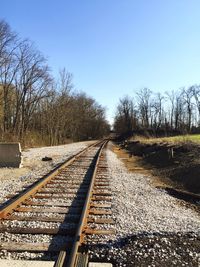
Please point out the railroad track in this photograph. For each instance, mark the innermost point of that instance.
(52, 218)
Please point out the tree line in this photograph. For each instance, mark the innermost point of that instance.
(175, 112)
(36, 107)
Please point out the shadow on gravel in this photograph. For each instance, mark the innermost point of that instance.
(63, 239)
(150, 249)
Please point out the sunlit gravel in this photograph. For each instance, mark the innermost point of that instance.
(35, 167)
(152, 228)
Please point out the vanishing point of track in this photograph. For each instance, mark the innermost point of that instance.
(73, 196)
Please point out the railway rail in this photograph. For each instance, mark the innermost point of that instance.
(62, 208)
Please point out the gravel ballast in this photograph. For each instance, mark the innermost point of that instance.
(139, 207)
(152, 227)
(14, 232)
(12, 180)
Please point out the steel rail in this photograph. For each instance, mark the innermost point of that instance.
(63, 260)
(21, 197)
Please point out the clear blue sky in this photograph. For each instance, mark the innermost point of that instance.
(114, 47)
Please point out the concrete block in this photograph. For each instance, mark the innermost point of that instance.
(99, 264)
(10, 155)
(26, 263)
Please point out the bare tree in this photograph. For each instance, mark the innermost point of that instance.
(171, 97)
(8, 42)
(8, 67)
(125, 119)
(187, 95)
(160, 114)
(31, 102)
(31, 82)
(196, 93)
(144, 97)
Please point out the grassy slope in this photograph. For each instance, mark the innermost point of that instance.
(194, 138)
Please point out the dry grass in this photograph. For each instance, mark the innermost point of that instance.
(32, 139)
(192, 138)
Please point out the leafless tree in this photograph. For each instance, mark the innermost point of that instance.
(31, 83)
(171, 97)
(173, 112)
(187, 95)
(196, 93)
(144, 97)
(31, 102)
(125, 119)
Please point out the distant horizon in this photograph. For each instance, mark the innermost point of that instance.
(114, 48)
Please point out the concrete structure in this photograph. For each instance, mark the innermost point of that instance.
(26, 263)
(10, 155)
(99, 264)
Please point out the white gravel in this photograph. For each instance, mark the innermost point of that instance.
(12, 180)
(45, 238)
(30, 224)
(152, 228)
(37, 238)
(139, 207)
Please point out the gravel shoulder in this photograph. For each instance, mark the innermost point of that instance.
(12, 180)
(152, 227)
(148, 209)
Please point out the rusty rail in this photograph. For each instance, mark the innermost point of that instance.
(13, 203)
(70, 260)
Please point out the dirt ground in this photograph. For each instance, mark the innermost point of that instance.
(175, 166)
(136, 164)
